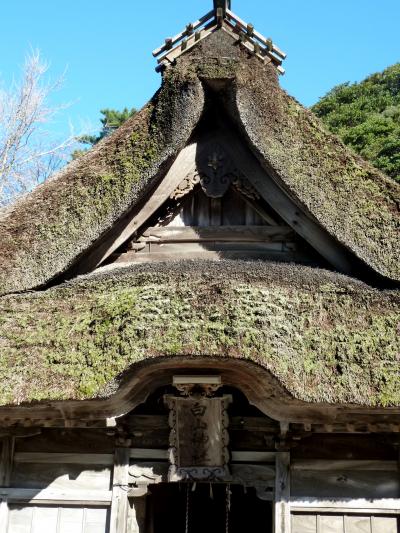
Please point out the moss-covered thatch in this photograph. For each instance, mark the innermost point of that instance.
(44, 233)
(325, 337)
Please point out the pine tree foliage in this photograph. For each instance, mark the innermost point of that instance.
(366, 116)
(112, 119)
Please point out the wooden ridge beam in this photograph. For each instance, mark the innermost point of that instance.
(254, 33)
(262, 54)
(189, 30)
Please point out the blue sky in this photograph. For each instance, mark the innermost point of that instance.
(107, 46)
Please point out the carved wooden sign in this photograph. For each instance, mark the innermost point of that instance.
(198, 438)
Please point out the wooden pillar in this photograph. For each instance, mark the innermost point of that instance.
(137, 515)
(119, 502)
(6, 460)
(282, 519)
(3, 515)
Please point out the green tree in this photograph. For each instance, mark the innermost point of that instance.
(112, 119)
(366, 116)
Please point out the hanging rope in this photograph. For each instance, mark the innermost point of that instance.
(187, 509)
(227, 506)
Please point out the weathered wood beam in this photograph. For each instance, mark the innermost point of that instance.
(218, 233)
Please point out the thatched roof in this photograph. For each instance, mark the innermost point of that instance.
(324, 336)
(47, 231)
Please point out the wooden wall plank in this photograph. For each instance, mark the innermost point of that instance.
(61, 476)
(357, 524)
(330, 524)
(304, 523)
(385, 524)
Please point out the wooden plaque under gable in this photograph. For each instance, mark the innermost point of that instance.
(198, 438)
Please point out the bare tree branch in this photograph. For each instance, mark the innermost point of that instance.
(28, 151)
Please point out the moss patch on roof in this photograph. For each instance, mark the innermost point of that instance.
(325, 337)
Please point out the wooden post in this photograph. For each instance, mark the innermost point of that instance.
(282, 520)
(6, 460)
(119, 502)
(3, 515)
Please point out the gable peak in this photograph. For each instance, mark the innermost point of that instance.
(219, 18)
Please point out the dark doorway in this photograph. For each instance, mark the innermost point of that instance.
(207, 509)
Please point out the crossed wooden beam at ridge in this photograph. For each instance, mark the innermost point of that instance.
(220, 16)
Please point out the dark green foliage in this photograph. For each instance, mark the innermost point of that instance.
(366, 116)
(112, 119)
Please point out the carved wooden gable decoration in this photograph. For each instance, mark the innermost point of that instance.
(208, 206)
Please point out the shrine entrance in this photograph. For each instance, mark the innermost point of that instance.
(202, 460)
(206, 508)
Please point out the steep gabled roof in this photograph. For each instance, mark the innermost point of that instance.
(44, 234)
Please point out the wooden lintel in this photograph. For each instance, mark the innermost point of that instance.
(236, 456)
(347, 465)
(82, 497)
(64, 458)
(359, 505)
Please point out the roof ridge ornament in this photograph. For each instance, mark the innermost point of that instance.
(220, 9)
(222, 17)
